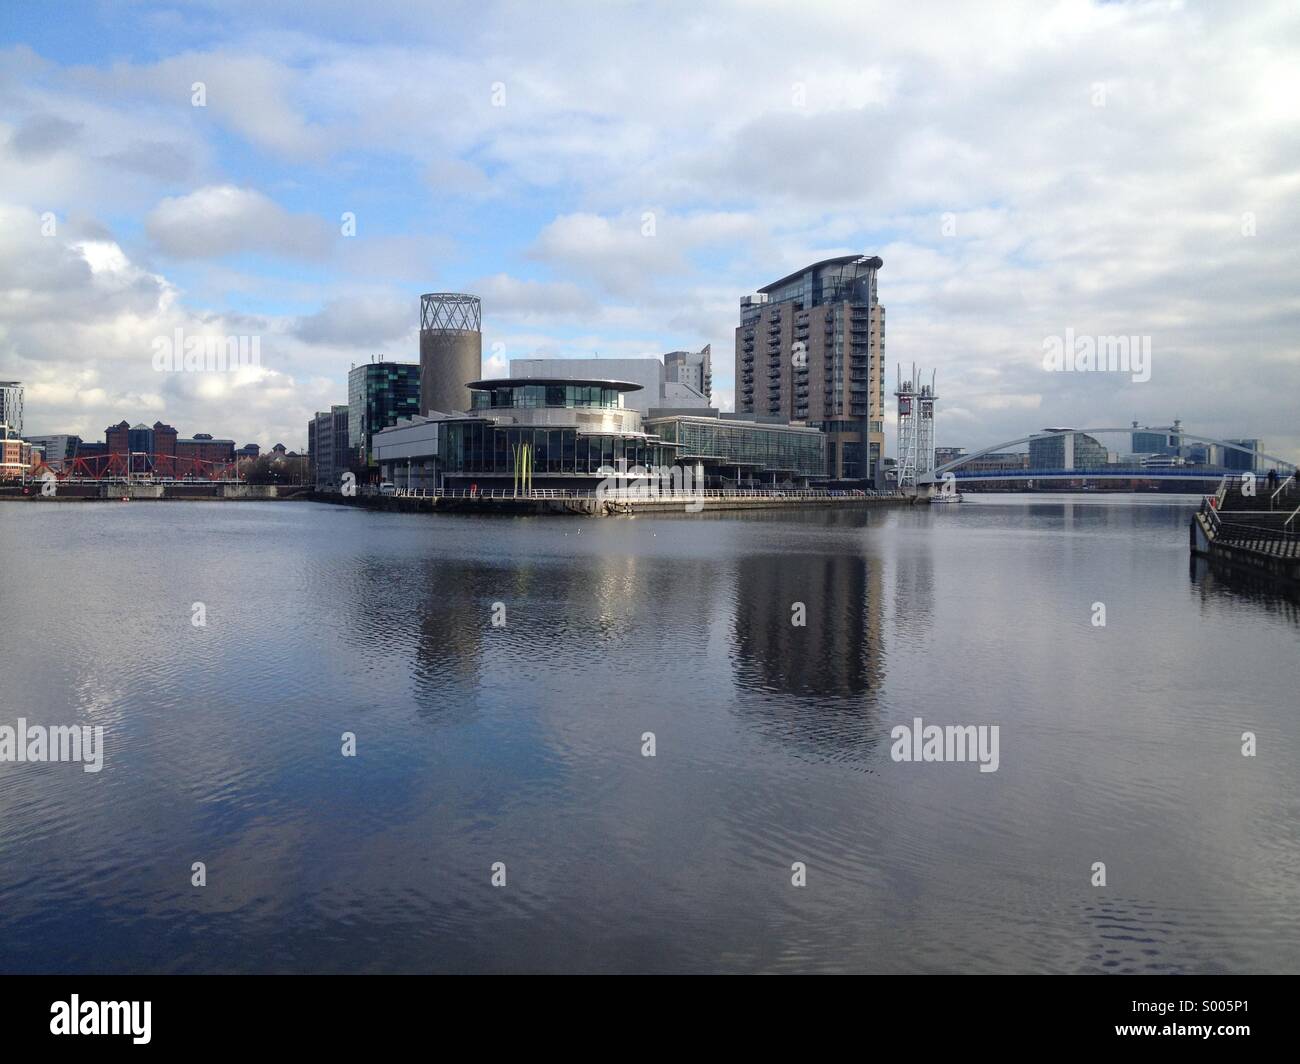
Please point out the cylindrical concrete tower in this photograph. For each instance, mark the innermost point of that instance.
(451, 350)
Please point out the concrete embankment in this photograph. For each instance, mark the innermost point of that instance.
(110, 492)
(588, 506)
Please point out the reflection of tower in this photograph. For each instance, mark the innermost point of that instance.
(915, 427)
(835, 652)
(451, 350)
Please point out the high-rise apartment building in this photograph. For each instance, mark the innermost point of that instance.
(11, 406)
(378, 394)
(692, 368)
(811, 348)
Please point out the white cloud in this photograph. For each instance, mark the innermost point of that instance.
(366, 321)
(78, 321)
(223, 220)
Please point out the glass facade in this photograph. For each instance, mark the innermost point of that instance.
(468, 448)
(1050, 452)
(848, 279)
(139, 440)
(769, 447)
(378, 394)
(534, 396)
(1239, 460)
(1155, 443)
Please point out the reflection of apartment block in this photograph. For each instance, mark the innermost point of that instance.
(837, 649)
(810, 347)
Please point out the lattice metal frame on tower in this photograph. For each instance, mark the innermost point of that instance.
(915, 427)
(451, 312)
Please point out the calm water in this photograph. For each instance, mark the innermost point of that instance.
(523, 744)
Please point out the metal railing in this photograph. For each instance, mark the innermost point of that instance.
(1257, 537)
(1211, 512)
(1291, 480)
(635, 494)
(1254, 537)
(1087, 473)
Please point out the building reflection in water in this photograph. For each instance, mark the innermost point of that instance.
(571, 623)
(815, 685)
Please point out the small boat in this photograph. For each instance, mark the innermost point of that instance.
(946, 496)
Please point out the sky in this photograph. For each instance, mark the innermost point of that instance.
(611, 178)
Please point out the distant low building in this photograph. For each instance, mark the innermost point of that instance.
(203, 447)
(995, 461)
(329, 452)
(1066, 449)
(408, 452)
(159, 450)
(15, 453)
(1158, 440)
(58, 451)
(1240, 461)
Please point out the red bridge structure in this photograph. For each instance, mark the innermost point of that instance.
(141, 467)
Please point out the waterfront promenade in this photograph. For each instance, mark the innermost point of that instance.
(615, 503)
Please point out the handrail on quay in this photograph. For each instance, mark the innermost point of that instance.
(634, 494)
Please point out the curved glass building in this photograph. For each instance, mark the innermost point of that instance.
(577, 431)
(572, 433)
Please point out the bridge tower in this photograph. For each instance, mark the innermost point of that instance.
(915, 427)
